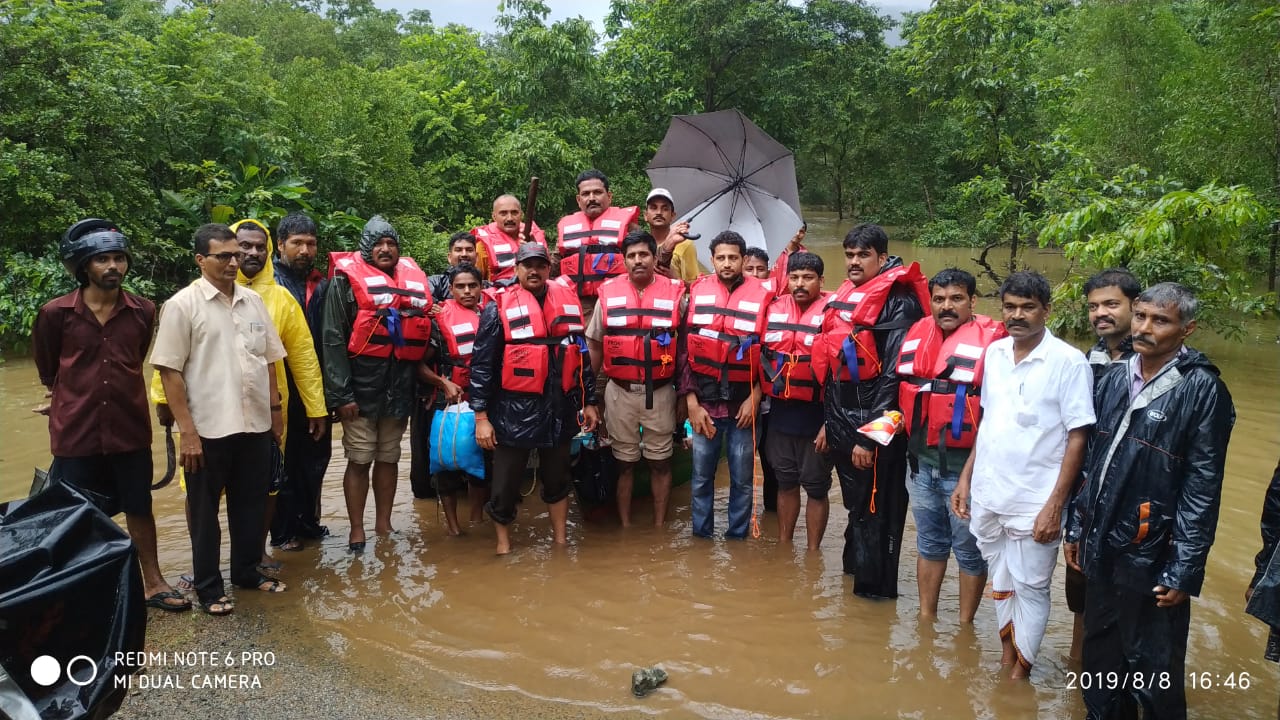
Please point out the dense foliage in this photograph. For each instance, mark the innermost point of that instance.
(1145, 133)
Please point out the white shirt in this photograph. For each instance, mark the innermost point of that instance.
(1028, 409)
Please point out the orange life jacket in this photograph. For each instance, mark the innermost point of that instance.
(942, 379)
(458, 327)
(723, 336)
(640, 330)
(851, 317)
(386, 304)
(786, 354)
(589, 251)
(540, 337)
(500, 249)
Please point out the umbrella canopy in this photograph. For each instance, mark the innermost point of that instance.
(727, 174)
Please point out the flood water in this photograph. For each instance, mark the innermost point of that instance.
(750, 629)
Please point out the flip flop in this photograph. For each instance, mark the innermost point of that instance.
(223, 604)
(293, 545)
(158, 601)
(271, 586)
(356, 548)
(187, 582)
(270, 567)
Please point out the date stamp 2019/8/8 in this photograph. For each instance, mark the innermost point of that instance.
(1155, 680)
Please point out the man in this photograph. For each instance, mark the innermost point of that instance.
(862, 332)
(756, 263)
(306, 457)
(498, 241)
(633, 339)
(588, 240)
(940, 367)
(216, 351)
(1142, 525)
(453, 339)
(1027, 456)
(376, 329)
(676, 253)
(462, 251)
(719, 385)
(528, 385)
(797, 443)
(89, 348)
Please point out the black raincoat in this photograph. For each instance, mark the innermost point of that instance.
(1148, 508)
(523, 420)
(1265, 603)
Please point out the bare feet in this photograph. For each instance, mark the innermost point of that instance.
(383, 530)
(504, 539)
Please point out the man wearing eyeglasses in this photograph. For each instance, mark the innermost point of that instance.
(216, 351)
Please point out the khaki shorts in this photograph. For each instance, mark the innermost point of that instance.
(625, 415)
(366, 440)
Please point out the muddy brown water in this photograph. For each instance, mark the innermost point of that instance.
(751, 629)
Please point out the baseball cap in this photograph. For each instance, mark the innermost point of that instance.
(531, 250)
(660, 193)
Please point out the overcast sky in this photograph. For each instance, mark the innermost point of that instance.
(479, 14)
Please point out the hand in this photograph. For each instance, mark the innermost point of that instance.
(277, 426)
(746, 413)
(796, 240)
(590, 418)
(349, 412)
(484, 434)
(191, 454)
(1071, 554)
(820, 442)
(1048, 526)
(164, 415)
(960, 501)
(316, 427)
(1168, 597)
(863, 458)
(676, 235)
(452, 393)
(701, 422)
(436, 309)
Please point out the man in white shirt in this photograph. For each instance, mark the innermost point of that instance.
(1037, 403)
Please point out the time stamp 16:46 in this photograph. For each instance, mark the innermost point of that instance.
(1161, 680)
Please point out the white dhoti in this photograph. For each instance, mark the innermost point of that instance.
(1021, 571)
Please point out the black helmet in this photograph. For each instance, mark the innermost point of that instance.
(87, 238)
(374, 230)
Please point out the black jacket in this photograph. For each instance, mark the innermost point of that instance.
(1265, 603)
(849, 406)
(523, 419)
(1148, 509)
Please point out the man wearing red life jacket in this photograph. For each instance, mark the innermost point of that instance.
(531, 389)
(940, 367)
(448, 372)
(376, 328)
(719, 381)
(866, 322)
(796, 442)
(633, 337)
(587, 241)
(499, 240)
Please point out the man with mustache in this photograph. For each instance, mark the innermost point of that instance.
(463, 250)
(531, 389)
(498, 241)
(633, 340)
(89, 348)
(376, 329)
(587, 241)
(940, 365)
(1027, 455)
(797, 442)
(1144, 521)
(677, 256)
(865, 324)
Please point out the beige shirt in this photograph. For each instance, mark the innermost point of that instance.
(223, 347)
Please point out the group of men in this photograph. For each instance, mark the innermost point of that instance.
(1009, 440)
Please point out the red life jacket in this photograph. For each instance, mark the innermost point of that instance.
(379, 299)
(786, 355)
(500, 249)
(724, 329)
(458, 327)
(640, 330)
(540, 336)
(942, 379)
(589, 252)
(851, 317)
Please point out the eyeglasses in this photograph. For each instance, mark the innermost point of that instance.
(225, 257)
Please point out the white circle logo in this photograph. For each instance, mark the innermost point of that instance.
(45, 670)
(93, 665)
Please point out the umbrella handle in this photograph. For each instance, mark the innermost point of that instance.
(171, 460)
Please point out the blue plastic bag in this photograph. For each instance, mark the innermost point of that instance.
(453, 441)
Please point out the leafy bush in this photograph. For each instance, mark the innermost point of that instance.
(947, 233)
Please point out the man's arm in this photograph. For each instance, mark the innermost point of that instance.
(302, 361)
(485, 362)
(1048, 525)
(46, 339)
(335, 334)
(175, 390)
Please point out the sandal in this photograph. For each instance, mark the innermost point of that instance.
(271, 586)
(221, 606)
(291, 545)
(187, 582)
(159, 600)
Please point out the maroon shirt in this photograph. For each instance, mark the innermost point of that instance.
(99, 403)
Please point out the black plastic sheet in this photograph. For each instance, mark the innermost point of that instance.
(70, 588)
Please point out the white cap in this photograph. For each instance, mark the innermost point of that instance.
(660, 193)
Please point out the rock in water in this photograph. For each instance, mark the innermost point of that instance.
(647, 680)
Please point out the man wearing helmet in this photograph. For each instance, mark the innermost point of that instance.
(90, 345)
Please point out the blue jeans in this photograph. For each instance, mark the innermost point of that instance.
(938, 530)
(706, 458)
